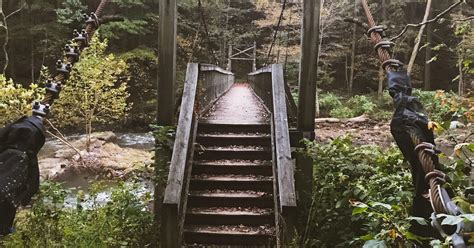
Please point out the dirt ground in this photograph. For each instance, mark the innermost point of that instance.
(362, 130)
(369, 132)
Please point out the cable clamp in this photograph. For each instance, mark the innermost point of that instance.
(80, 37)
(393, 63)
(40, 109)
(72, 52)
(63, 68)
(377, 29)
(53, 87)
(92, 19)
(385, 44)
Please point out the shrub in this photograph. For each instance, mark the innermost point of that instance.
(361, 104)
(329, 101)
(342, 112)
(16, 100)
(444, 106)
(124, 221)
(96, 91)
(344, 173)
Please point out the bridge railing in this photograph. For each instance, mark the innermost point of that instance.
(269, 85)
(203, 85)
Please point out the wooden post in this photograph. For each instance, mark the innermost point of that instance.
(166, 62)
(229, 59)
(166, 100)
(308, 65)
(254, 64)
(307, 102)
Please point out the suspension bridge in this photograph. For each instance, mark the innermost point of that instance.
(231, 178)
(234, 178)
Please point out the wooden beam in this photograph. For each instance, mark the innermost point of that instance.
(172, 203)
(285, 167)
(166, 62)
(308, 65)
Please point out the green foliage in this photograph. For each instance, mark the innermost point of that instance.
(142, 67)
(72, 11)
(124, 221)
(96, 91)
(355, 106)
(345, 174)
(443, 106)
(328, 101)
(342, 112)
(16, 100)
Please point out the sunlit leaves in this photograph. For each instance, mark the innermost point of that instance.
(16, 100)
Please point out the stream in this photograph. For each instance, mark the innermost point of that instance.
(140, 141)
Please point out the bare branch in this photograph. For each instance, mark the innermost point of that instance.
(357, 22)
(464, 19)
(16, 11)
(436, 18)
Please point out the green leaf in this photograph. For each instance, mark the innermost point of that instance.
(419, 220)
(451, 220)
(359, 208)
(375, 204)
(375, 244)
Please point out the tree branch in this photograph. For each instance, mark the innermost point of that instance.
(436, 18)
(16, 11)
(464, 19)
(357, 22)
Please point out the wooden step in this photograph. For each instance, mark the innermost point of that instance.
(230, 216)
(232, 182)
(227, 152)
(208, 126)
(229, 235)
(249, 139)
(237, 167)
(230, 198)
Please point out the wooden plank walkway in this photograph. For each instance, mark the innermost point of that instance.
(230, 198)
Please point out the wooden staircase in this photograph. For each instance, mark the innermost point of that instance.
(230, 198)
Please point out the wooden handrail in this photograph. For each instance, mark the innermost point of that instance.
(269, 85)
(174, 201)
(183, 132)
(286, 181)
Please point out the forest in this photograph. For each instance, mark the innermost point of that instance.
(99, 168)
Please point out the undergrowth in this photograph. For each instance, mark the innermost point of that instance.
(123, 221)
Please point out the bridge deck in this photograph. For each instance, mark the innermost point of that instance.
(238, 106)
(230, 198)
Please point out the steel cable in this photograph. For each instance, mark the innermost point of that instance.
(276, 32)
(89, 31)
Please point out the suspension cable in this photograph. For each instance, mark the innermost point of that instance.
(276, 31)
(64, 66)
(204, 23)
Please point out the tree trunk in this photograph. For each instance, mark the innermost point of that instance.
(353, 49)
(461, 79)
(427, 77)
(418, 38)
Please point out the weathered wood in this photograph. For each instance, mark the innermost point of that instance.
(308, 65)
(285, 166)
(282, 141)
(214, 82)
(176, 179)
(166, 62)
(183, 132)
